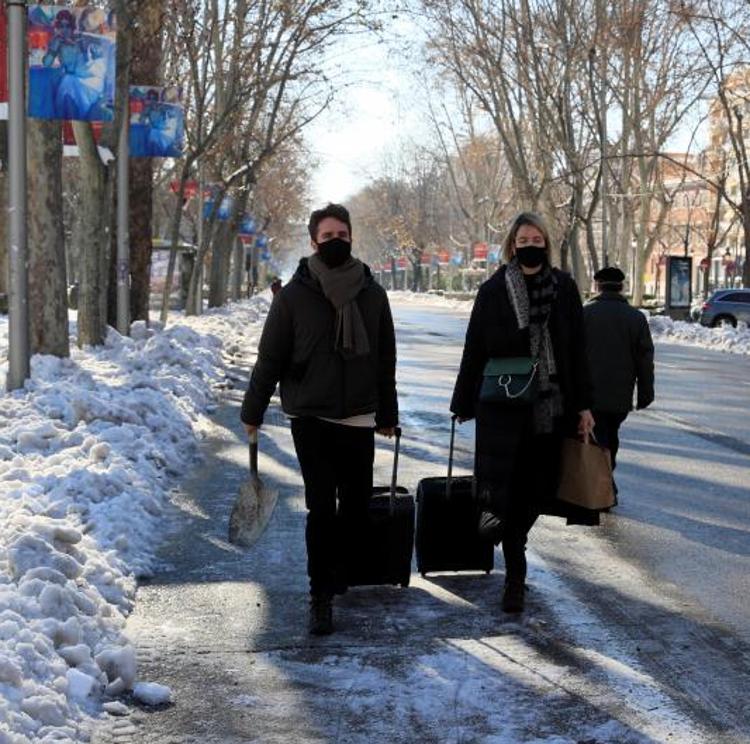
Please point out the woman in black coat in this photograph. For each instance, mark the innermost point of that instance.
(526, 309)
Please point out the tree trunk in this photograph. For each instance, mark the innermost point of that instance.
(141, 204)
(217, 291)
(93, 239)
(48, 302)
(145, 69)
(238, 267)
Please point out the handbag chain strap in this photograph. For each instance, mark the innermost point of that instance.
(504, 381)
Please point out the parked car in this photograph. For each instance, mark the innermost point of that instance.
(726, 306)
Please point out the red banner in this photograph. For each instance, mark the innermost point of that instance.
(426, 259)
(480, 251)
(3, 56)
(70, 139)
(444, 256)
(401, 262)
(191, 188)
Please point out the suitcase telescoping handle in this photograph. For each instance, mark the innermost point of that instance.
(254, 453)
(449, 479)
(394, 476)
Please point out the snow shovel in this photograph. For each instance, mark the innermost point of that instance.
(254, 505)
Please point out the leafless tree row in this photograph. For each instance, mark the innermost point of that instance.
(254, 75)
(586, 98)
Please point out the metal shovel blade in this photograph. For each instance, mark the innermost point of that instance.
(253, 506)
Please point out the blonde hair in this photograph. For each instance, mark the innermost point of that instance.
(524, 218)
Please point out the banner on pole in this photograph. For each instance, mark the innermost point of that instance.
(157, 122)
(71, 63)
(248, 227)
(224, 211)
(3, 63)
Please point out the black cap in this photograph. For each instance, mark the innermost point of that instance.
(609, 275)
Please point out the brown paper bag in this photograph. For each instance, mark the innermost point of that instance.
(586, 475)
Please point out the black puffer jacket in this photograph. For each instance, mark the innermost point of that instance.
(620, 352)
(297, 350)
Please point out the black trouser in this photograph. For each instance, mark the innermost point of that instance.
(607, 431)
(336, 463)
(534, 477)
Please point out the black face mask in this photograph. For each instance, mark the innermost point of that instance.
(334, 252)
(531, 255)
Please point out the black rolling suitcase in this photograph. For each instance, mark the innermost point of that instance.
(447, 524)
(384, 552)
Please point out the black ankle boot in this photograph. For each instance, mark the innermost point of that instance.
(321, 614)
(514, 595)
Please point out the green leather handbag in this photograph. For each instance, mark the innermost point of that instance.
(510, 380)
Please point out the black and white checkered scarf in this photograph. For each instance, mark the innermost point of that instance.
(532, 304)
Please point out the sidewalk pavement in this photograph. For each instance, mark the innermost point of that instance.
(437, 662)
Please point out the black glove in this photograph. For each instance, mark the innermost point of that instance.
(644, 403)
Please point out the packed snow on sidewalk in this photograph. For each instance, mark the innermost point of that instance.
(726, 338)
(89, 453)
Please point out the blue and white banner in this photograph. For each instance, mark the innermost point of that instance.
(71, 63)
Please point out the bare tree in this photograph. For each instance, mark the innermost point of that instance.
(96, 192)
(721, 41)
(478, 178)
(280, 59)
(48, 303)
(145, 69)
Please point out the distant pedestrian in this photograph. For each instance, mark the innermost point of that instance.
(526, 310)
(329, 340)
(620, 354)
(276, 286)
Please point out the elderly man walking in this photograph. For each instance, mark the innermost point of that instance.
(620, 354)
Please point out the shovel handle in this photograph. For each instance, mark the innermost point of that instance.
(254, 453)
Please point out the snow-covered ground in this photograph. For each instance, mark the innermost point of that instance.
(734, 340)
(89, 452)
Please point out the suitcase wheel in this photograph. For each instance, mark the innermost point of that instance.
(488, 572)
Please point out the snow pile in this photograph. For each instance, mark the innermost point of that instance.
(88, 453)
(430, 299)
(725, 338)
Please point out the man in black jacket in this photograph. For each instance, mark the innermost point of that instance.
(620, 353)
(329, 340)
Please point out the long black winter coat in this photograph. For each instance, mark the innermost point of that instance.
(620, 351)
(501, 431)
(297, 349)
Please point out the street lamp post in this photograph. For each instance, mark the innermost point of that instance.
(123, 229)
(18, 309)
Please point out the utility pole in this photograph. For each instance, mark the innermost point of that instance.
(18, 284)
(123, 231)
(198, 308)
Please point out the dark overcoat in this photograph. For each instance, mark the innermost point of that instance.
(620, 353)
(502, 431)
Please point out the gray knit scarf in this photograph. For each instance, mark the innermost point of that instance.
(341, 287)
(532, 305)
